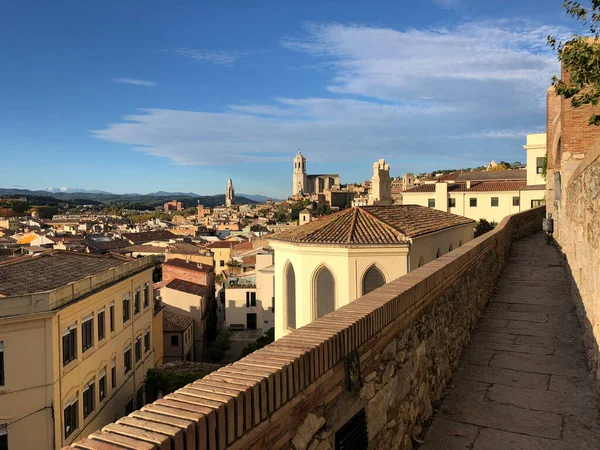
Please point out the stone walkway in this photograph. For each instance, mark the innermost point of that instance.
(522, 382)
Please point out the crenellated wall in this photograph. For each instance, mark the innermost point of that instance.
(407, 335)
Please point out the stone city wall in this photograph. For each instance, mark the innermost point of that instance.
(294, 394)
(577, 224)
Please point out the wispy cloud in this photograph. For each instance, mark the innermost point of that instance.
(392, 93)
(216, 57)
(135, 82)
(448, 4)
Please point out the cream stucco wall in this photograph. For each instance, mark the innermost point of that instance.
(221, 254)
(484, 209)
(426, 247)
(536, 148)
(38, 386)
(189, 305)
(348, 266)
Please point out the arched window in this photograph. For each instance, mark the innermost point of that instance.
(324, 292)
(438, 254)
(421, 262)
(450, 247)
(372, 280)
(290, 297)
(460, 243)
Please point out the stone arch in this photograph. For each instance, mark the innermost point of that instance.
(372, 279)
(558, 153)
(324, 288)
(289, 294)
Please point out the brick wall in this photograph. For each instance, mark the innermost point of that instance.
(408, 336)
(170, 272)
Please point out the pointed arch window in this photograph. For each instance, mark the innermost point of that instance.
(290, 297)
(324, 292)
(372, 280)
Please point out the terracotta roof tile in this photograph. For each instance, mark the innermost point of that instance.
(175, 323)
(220, 244)
(51, 270)
(493, 175)
(188, 287)
(488, 186)
(147, 236)
(183, 264)
(373, 225)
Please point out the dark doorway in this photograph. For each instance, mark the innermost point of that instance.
(251, 321)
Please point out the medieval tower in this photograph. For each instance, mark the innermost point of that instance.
(229, 194)
(299, 174)
(381, 184)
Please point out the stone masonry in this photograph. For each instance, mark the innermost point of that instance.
(522, 382)
(577, 223)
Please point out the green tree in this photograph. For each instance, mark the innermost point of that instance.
(483, 226)
(261, 342)
(580, 58)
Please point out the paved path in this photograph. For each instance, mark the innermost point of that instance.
(522, 382)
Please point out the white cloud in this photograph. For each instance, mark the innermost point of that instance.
(216, 57)
(405, 95)
(448, 4)
(135, 82)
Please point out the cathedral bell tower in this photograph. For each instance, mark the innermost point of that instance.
(299, 181)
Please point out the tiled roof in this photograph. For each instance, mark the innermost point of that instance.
(185, 248)
(175, 323)
(103, 243)
(51, 270)
(142, 249)
(187, 287)
(488, 186)
(534, 187)
(147, 236)
(188, 265)
(373, 225)
(493, 175)
(220, 244)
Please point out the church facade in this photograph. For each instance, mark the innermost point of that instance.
(311, 184)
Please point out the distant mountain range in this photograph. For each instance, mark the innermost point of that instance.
(66, 190)
(153, 198)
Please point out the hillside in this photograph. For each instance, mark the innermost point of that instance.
(152, 199)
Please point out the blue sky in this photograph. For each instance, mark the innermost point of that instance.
(140, 96)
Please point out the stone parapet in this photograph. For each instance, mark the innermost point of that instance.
(406, 336)
(577, 231)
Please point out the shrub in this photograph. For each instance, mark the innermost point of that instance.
(215, 354)
(483, 226)
(261, 342)
(167, 381)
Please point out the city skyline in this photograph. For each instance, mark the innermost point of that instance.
(113, 106)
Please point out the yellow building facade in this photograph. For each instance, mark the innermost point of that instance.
(488, 195)
(74, 354)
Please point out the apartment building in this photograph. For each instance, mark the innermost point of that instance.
(490, 195)
(75, 343)
(249, 298)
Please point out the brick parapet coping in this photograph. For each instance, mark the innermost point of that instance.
(243, 399)
(587, 161)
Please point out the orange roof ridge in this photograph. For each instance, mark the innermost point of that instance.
(352, 225)
(398, 233)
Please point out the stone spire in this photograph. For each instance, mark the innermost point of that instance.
(229, 194)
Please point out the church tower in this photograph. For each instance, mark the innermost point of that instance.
(229, 194)
(299, 181)
(381, 184)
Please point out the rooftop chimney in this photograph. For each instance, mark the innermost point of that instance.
(468, 184)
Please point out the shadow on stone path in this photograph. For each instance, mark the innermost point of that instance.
(522, 382)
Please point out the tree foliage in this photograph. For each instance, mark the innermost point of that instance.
(167, 381)
(580, 58)
(483, 226)
(261, 342)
